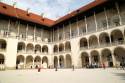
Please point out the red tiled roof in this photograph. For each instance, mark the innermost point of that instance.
(21, 14)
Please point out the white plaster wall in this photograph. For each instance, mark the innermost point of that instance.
(11, 53)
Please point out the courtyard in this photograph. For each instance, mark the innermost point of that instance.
(109, 75)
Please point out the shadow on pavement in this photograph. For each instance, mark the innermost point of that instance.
(122, 75)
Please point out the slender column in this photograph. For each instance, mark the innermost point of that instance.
(33, 64)
(106, 18)
(26, 31)
(42, 35)
(70, 30)
(117, 7)
(25, 63)
(113, 58)
(88, 43)
(95, 21)
(90, 59)
(18, 31)
(77, 26)
(63, 32)
(86, 24)
(58, 33)
(8, 29)
(98, 40)
(100, 57)
(53, 35)
(34, 34)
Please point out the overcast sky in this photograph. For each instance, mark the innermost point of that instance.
(52, 9)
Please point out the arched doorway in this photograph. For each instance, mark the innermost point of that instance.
(21, 47)
(95, 58)
(84, 59)
(117, 36)
(67, 46)
(2, 59)
(37, 48)
(37, 61)
(104, 38)
(30, 48)
(93, 41)
(45, 62)
(55, 49)
(83, 43)
(29, 62)
(20, 62)
(55, 61)
(3, 45)
(119, 53)
(45, 49)
(61, 47)
(107, 57)
(61, 61)
(68, 61)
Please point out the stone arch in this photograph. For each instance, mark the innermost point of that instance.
(119, 53)
(93, 41)
(45, 49)
(3, 44)
(83, 42)
(104, 38)
(67, 46)
(61, 61)
(95, 57)
(21, 46)
(45, 62)
(55, 61)
(55, 49)
(107, 57)
(84, 59)
(30, 48)
(29, 62)
(2, 59)
(68, 61)
(20, 61)
(61, 47)
(37, 48)
(37, 61)
(117, 36)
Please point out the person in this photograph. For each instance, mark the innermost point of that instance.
(73, 67)
(103, 65)
(56, 68)
(39, 69)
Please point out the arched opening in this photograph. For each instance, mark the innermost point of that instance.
(37, 48)
(55, 48)
(119, 53)
(37, 61)
(84, 59)
(3, 45)
(95, 58)
(20, 62)
(83, 43)
(107, 58)
(68, 61)
(93, 41)
(104, 39)
(29, 62)
(30, 48)
(21, 47)
(55, 61)
(117, 36)
(2, 59)
(61, 47)
(61, 61)
(45, 62)
(67, 46)
(45, 49)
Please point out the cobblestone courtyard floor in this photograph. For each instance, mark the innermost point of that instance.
(63, 76)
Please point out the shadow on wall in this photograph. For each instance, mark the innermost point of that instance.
(121, 75)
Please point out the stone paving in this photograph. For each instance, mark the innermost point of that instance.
(109, 75)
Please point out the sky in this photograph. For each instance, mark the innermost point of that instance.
(52, 9)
